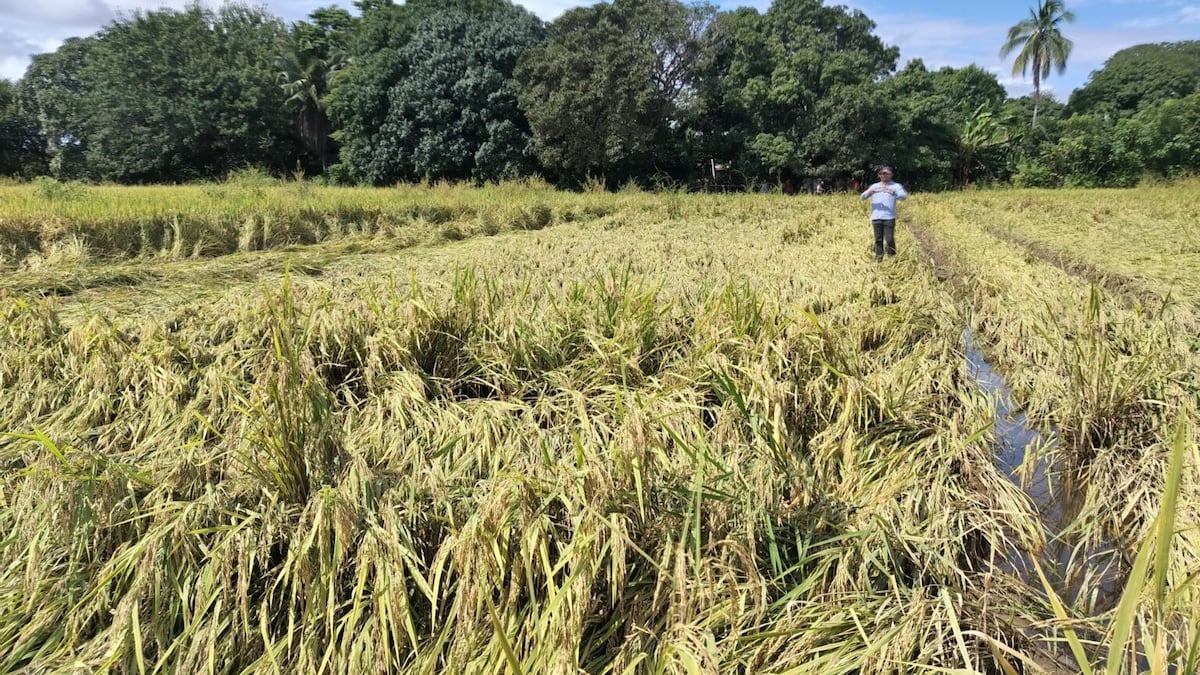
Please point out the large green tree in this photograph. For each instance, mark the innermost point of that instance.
(454, 113)
(803, 74)
(426, 69)
(1092, 151)
(852, 129)
(358, 103)
(1168, 142)
(175, 95)
(928, 112)
(1040, 44)
(1138, 76)
(921, 126)
(608, 93)
(52, 92)
(721, 128)
(22, 148)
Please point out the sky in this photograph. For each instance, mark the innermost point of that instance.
(940, 32)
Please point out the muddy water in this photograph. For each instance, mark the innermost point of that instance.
(1080, 575)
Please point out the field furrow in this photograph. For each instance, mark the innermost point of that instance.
(1114, 381)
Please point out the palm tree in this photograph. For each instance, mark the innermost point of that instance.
(314, 54)
(306, 81)
(1041, 43)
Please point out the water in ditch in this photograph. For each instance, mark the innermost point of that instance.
(1025, 453)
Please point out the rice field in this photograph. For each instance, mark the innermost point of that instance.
(270, 428)
(1144, 243)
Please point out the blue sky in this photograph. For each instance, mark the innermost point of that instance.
(941, 32)
(951, 33)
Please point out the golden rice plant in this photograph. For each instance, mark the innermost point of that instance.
(1111, 377)
(430, 428)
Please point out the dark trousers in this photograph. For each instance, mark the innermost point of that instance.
(885, 237)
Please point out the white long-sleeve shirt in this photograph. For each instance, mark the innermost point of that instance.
(883, 202)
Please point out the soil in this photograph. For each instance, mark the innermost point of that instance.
(942, 267)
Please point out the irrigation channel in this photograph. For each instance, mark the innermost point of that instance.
(1025, 454)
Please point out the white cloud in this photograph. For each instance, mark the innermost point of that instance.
(939, 42)
(59, 13)
(922, 33)
(15, 50)
(13, 67)
(549, 10)
(1184, 15)
(1096, 45)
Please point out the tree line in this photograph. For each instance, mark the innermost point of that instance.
(655, 92)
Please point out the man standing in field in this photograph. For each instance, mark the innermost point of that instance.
(883, 211)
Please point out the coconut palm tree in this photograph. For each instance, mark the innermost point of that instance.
(315, 52)
(306, 81)
(1042, 44)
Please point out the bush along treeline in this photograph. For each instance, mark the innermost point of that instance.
(651, 92)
